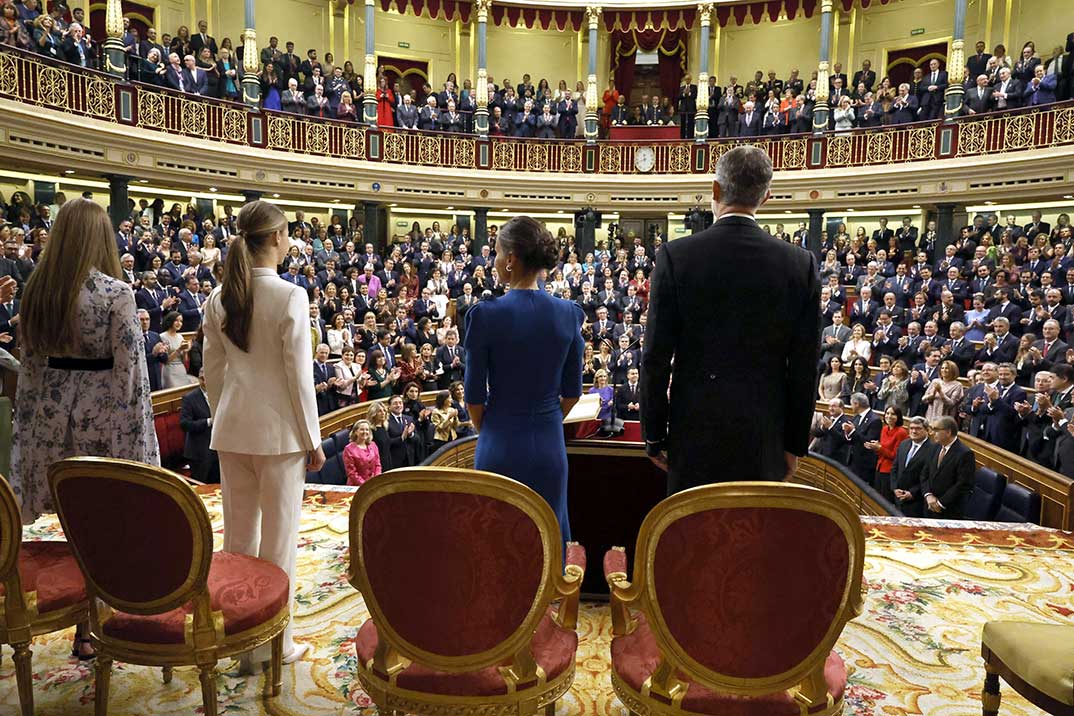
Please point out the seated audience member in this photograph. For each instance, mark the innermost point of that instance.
(947, 481)
(361, 456)
(196, 422)
(908, 465)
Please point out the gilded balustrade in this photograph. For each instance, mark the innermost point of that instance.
(34, 80)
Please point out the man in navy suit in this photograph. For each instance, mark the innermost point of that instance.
(1004, 308)
(402, 434)
(199, 79)
(324, 377)
(404, 327)
(906, 470)
(749, 124)
(176, 76)
(830, 433)
(628, 397)
(9, 320)
(1002, 427)
(190, 302)
(451, 359)
(156, 350)
(863, 310)
(384, 345)
(936, 84)
(196, 421)
(948, 478)
(861, 429)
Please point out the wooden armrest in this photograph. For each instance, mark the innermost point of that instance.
(570, 586)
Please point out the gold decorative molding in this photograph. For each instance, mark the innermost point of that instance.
(251, 58)
(704, 13)
(956, 66)
(593, 13)
(113, 19)
(483, 7)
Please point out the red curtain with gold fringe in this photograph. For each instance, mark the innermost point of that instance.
(669, 44)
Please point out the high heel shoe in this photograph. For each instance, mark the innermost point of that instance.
(76, 651)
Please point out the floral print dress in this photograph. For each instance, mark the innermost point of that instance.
(67, 413)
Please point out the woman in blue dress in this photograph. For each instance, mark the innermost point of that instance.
(524, 368)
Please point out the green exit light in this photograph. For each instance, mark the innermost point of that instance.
(406, 45)
(917, 31)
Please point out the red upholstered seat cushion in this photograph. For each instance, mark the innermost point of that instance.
(50, 569)
(170, 437)
(249, 591)
(636, 656)
(553, 648)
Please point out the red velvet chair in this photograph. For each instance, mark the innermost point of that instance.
(41, 591)
(741, 590)
(159, 596)
(459, 569)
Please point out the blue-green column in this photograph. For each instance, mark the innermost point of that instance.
(820, 109)
(251, 59)
(481, 115)
(956, 65)
(369, 103)
(592, 107)
(701, 119)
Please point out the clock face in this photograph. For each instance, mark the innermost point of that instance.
(645, 159)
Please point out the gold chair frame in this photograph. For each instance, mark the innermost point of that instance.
(528, 690)
(205, 642)
(20, 621)
(995, 670)
(663, 692)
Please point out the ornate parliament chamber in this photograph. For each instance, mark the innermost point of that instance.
(921, 150)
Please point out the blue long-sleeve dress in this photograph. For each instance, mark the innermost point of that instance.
(524, 352)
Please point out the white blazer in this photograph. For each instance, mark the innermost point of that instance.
(263, 401)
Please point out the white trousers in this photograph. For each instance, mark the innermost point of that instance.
(262, 510)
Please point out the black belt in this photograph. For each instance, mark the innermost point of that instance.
(90, 364)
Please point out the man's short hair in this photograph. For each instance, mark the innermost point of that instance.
(917, 421)
(744, 175)
(1063, 371)
(860, 400)
(946, 422)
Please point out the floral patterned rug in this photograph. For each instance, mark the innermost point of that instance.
(915, 650)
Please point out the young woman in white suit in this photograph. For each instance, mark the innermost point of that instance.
(259, 379)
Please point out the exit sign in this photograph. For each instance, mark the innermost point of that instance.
(915, 31)
(406, 45)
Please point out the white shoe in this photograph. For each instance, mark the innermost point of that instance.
(297, 653)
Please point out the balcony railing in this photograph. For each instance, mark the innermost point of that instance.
(35, 80)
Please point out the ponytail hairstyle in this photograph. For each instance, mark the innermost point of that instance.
(530, 243)
(258, 221)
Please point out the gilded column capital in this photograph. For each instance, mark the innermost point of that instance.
(483, 7)
(370, 3)
(593, 13)
(251, 58)
(957, 65)
(704, 12)
(482, 88)
(826, 6)
(113, 19)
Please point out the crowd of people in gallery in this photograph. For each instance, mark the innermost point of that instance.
(317, 85)
(981, 332)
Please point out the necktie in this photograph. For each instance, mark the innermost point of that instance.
(913, 451)
(940, 457)
(1047, 347)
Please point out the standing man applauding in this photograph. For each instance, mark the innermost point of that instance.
(727, 352)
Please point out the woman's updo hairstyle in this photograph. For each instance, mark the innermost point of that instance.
(529, 242)
(258, 222)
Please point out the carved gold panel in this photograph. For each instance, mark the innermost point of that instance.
(679, 160)
(1018, 132)
(839, 151)
(429, 150)
(536, 157)
(794, 154)
(971, 138)
(879, 148)
(9, 75)
(503, 155)
(354, 143)
(235, 125)
(464, 153)
(922, 143)
(193, 115)
(1064, 125)
(150, 109)
(316, 138)
(570, 159)
(611, 159)
(100, 101)
(394, 147)
(52, 86)
(279, 133)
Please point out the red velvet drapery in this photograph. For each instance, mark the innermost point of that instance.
(669, 44)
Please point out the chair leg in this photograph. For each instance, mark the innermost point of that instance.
(550, 709)
(207, 676)
(103, 672)
(167, 674)
(276, 665)
(24, 676)
(990, 695)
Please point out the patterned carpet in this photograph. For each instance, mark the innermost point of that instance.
(915, 650)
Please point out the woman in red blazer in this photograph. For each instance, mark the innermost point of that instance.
(891, 435)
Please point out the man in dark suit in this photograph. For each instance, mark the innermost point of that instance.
(203, 39)
(775, 352)
(935, 86)
(190, 302)
(628, 398)
(197, 423)
(979, 99)
(906, 470)
(1033, 418)
(749, 124)
(156, 351)
(450, 359)
(864, 76)
(860, 430)
(1002, 427)
(199, 79)
(831, 439)
(686, 106)
(977, 63)
(324, 378)
(402, 435)
(948, 478)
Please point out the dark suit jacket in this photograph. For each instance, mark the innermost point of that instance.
(194, 420)
(862, 462)
(752, 127)
(624, 396)
(324, 399)
(951, 482)
(977, 101)
(1003, 427)
(775, 353)
(908, 476)
(401, 450)
(155, 364)
(443, 360)
(189, 308)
